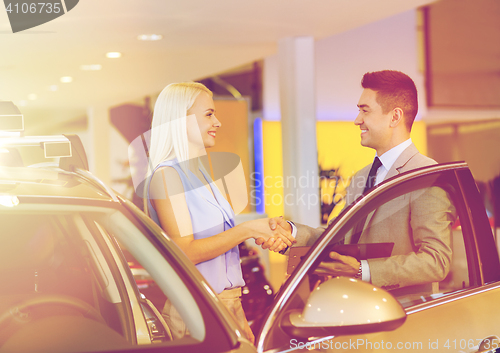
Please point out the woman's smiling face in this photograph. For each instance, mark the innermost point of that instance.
(204, 111)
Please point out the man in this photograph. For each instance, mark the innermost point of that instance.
(419, 224)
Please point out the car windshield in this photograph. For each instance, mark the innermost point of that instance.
(62, 270)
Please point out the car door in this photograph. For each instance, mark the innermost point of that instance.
(208, 325)
(458, 312)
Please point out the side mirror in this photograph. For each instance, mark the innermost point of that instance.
(344, 306)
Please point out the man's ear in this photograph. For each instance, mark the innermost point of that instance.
(397, 117)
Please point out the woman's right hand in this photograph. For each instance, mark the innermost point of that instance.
(260, 229)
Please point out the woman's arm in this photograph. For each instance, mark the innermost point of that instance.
(166, 190)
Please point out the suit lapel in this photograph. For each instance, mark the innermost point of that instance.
(398, 166)
(396, 169)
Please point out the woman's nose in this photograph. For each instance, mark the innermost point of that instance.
(216, 123)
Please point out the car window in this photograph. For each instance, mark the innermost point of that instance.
(432, 255)
(428, 258)
(171, 298)
(64, 271)
(54, 278)
(421, 218)
(162, 313)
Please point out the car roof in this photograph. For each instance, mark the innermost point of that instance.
(50, 182)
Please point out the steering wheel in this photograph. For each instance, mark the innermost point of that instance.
(51, 299)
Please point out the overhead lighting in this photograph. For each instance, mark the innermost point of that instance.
(94, 67)
(113, 55)
(32, 96)
(150, 37)
(66, 79)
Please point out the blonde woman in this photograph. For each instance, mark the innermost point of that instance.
(186, 203)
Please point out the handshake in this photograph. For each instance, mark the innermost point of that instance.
(274, 234)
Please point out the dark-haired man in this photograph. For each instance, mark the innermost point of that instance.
(422, 254)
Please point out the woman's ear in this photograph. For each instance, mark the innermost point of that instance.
(397, 117)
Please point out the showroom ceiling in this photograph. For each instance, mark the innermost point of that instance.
(200, 38)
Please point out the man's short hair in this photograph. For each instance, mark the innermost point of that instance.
(394, 90)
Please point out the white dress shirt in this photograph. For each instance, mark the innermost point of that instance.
(387, 159)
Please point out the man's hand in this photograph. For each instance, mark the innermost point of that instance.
(279, 221)
(340, 266)
(275, 244)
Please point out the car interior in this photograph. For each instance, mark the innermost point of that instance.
(50, 288)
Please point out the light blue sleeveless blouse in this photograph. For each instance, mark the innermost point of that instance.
(209, 216)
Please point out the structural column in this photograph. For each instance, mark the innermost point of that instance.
(298, 121)
(98, 150)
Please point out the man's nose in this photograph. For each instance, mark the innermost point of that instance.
(358, 120)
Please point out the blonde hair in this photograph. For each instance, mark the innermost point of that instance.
(169, 137)
(168, 128)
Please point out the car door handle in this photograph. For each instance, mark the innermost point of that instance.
(489, 344)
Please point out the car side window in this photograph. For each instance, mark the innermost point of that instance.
(433, 255)
(422, 220)
(51, 280)
(428, 258)
(166, 317)
(422, 217)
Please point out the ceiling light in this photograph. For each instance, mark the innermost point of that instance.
(32, 96)
(150, 37)
(94, 67)
(113, 54)
(66, 79)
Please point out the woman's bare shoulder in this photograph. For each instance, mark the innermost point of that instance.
(166, 178)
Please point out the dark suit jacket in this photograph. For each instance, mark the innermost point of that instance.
(419, 223)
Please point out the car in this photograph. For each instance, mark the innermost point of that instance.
(76, 260)
(66, 244)
(311, 312)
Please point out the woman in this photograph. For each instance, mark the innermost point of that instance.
(186, 203)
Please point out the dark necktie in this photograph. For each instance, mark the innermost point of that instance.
(372, 177)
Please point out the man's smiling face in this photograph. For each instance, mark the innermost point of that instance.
(375, 127)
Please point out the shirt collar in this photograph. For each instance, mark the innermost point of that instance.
(389, 157)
